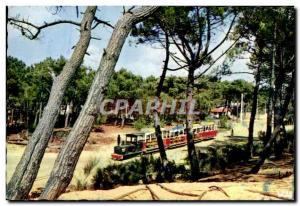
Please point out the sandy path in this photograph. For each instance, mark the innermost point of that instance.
(235, 191)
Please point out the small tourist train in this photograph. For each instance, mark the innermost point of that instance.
(146, 142)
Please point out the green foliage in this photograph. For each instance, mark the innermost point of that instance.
(146, 170)
(224, 122)
(90, 165)
(125, 85)
(101, 119)
(258, 147)
(218, 158)
(140, 123)
(82, 181)
(290, 141)
(28, 87)
(80, 184)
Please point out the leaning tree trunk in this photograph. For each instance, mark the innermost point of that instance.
(158, 134)
(253, 113)
(279, 118)
(67, 159)
(192, 154)
(41, 110)
(26, 171)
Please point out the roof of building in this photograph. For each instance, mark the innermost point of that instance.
(220, 110)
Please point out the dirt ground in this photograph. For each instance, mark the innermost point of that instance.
(100, 145)
(275, 181)
(276, 190)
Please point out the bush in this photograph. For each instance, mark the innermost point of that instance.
(224, 122)
(219, 157)
(262, 137)
(290, 141)
(258, 147)
(101, 119)
(90, 165)
(82, 182)
(146, 170)
(140, 124)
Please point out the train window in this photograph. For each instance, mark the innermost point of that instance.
(166, 134)
(141, 138)
(153, 137)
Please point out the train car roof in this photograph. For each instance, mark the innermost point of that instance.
(135, 134)
(178, 127)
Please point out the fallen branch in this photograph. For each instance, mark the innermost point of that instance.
(129, 193)
(269, 194)
(153, 195)
(213, 188)
(176, 192)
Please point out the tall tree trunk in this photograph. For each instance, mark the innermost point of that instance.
(158, 134)
(38, 114)
(253, 113)
(271, 91)
(267, 148)
(269, 116)
(68, 156)
(192, 154)
(12, 116)
(277, 102)
(67, 114)
(26, 171)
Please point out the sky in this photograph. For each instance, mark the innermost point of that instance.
(56, 41)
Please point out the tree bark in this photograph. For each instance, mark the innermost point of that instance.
(267, 148)
(277, 103)
(253, 114)
(192, 154)
(36, 118)
(41, 110)
(271, 91)
(26, 171)
(158, 134)
(67, 159)
(12, 116)
(67, 114)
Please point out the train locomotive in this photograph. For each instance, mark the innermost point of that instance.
(146, 142)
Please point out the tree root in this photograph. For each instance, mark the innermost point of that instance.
(213, 188)
(153, 195)
(269, 194)
(176, 192)
(129, 193)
